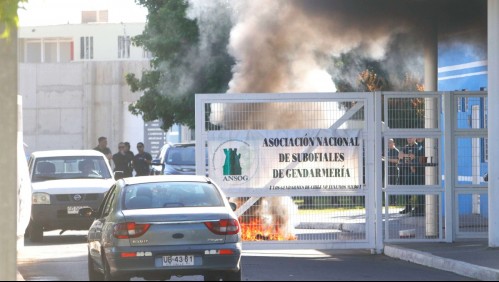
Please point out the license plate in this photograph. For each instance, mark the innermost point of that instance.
(178, 261)
(75, 210)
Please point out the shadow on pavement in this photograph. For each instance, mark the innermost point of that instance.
(58, 240)
(53, 238)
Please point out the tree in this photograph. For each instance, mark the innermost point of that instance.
(9, 117)
(187, 60)
(8, 16)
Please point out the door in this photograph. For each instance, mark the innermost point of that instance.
(95, 234)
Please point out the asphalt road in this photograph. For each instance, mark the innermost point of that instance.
(65, 258)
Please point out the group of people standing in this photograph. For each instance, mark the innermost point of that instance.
(407, 167)
(125, 160)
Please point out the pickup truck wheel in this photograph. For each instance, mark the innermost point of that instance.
(35, 232)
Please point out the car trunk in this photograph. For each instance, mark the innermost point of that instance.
(177, 226)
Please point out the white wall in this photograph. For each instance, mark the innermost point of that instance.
(68, 106)
(134, 131)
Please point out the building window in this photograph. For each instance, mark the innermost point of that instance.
(462, 104)
(485, 150)
(485, 104)
(124, 47)
(46, 50)
(66, 52)
(485, 143)
(33, 52)
(50, 50)
(86, 48)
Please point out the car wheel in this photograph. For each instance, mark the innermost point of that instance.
(232, 276)
(211, 277)
(93, 275)
(35, 232)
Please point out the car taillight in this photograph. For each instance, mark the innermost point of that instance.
(129, 230)
(224, 227)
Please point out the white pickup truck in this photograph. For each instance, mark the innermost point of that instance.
(64, 182)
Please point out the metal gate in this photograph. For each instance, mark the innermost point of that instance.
(412, 174)
(435, 192)
(298, 165)
(468, 152)
(447, 198)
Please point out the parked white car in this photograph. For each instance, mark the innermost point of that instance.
(63, 182)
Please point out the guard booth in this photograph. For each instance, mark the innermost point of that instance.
(311, 171)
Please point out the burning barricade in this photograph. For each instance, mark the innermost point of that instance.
(269, 219)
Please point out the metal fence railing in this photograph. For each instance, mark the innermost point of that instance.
(299, 166)
(470, 152)
(413, 172)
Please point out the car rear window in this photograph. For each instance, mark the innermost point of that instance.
(171, 195)
(70, 167)
(181, 156)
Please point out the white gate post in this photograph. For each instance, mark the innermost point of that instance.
(378, 137)
(450, 161)
(476, 158)
(431, 122)
(493, 89)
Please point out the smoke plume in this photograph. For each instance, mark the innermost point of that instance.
(287, 46)
(281, 46)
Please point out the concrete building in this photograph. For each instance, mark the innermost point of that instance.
(72, 80)
(69, 105)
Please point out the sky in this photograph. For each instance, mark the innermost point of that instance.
(54, 12)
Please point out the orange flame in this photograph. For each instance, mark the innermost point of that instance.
(254, 229)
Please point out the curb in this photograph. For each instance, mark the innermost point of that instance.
(445, 264)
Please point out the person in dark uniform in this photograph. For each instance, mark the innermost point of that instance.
(412, 172)
(102, 147)
(123, 161)
(393, 163)
(128, 149)
(142, 161)
(130, 153)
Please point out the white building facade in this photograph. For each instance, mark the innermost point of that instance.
(83, 42)
(72, 80)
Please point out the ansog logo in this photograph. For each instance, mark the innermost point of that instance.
(235, 162)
